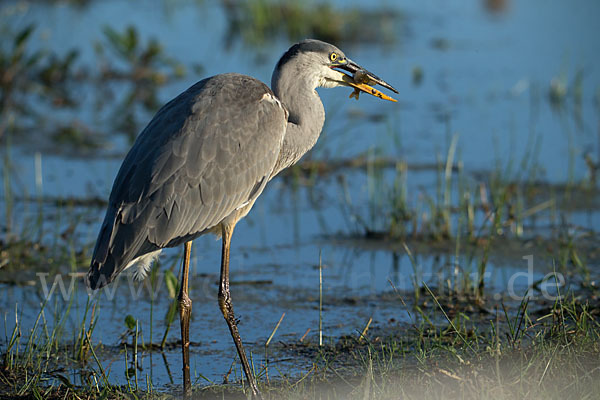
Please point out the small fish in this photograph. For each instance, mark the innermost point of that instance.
(361, 76)
(360, 82)
(355, 93)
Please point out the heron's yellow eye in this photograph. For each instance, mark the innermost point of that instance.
(333, 56)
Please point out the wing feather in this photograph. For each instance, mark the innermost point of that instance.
(204, 154)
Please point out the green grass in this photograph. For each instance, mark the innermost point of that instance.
(460, 342)
(551, 355)
(448, 350)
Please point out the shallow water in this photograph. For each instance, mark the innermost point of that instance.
(486, 79)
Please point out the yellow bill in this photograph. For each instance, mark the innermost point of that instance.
(363, 87)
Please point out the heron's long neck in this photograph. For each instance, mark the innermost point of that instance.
(306, 118)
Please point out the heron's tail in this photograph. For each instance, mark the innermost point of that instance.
(119, 246)
(98, 276)
(103, 265)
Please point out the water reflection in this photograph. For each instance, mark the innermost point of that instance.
(496, 6)
(257, 22)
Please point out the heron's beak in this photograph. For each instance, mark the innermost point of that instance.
(361, 79)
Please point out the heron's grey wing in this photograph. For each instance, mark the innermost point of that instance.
(205, 154)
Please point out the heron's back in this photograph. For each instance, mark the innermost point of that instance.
(204, 155)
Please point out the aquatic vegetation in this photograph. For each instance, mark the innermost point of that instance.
(258, 21)
(440, 233)
(146, 70)
(31, 75)
(444, 351)
(41, 76)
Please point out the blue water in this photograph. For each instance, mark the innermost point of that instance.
(489, 86)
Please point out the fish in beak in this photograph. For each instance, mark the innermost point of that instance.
(361, 79)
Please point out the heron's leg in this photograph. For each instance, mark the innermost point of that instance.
(226, 307)
(185, 310)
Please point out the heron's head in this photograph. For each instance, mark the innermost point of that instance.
(326, 66)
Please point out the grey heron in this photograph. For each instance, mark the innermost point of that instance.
(203, 160)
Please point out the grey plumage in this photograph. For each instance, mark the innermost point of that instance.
(210, 152)
(204, 159)
(193, 165)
